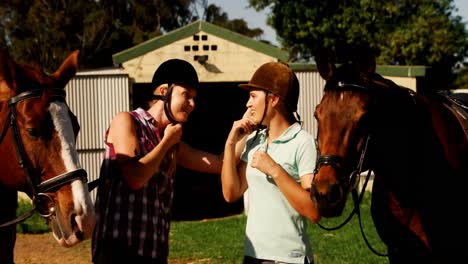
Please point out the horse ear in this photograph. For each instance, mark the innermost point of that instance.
(324, 66)
(67, 70)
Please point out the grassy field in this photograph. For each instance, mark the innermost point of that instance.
(220, 241)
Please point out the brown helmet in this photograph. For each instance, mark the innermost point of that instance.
(279, 79)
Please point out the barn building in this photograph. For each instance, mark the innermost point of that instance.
(223, 60)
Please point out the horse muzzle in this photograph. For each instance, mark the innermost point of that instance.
(330, 202)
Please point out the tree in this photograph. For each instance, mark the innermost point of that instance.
(461, 82)
(404, 32)
(44, 32)
(216, 16)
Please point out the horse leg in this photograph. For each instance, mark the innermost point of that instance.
(9, 200)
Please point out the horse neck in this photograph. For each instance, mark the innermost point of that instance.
(407, 154)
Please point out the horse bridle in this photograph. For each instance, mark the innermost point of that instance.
(338, 163)
(39, 189)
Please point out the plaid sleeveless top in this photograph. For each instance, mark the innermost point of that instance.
(139, 217)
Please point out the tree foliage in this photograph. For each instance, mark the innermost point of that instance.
(45, 32)
(461, 82)
(403, 32)
(215, 15)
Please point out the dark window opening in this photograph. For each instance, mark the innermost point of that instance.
(200, 58)
(196, 37)
(198, 195)
(206, 47)
(204, 37)
(214, 47)
(195, 48)
(186, 48)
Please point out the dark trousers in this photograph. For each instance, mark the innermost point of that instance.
(113, 251)
(250, 260)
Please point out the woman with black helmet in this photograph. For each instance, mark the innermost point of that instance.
(142, 148)
(276, 167)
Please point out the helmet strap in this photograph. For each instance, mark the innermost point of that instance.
(167, 100)
(259, 126)
(266, 108)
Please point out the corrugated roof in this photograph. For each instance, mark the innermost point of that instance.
(192, 29)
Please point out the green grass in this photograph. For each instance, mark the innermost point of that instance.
(221, 241)
(35, 224)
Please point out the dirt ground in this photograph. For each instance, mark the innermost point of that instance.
(43, 249)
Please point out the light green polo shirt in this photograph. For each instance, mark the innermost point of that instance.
(275, 230)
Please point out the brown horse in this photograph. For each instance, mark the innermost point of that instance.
(38, 154)
(416, 147)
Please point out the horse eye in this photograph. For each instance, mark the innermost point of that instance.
(33, 132)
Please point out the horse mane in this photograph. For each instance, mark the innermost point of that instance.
(351, 73)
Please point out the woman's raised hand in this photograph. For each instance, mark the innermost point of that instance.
(173, 133)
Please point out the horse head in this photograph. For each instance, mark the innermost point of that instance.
(343, 117)
(37, 147)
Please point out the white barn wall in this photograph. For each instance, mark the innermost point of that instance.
(311, 92)
(230, 62)
(95, 98)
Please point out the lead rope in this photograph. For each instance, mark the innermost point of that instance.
(19, 219)
(358, 213)
(357, 201)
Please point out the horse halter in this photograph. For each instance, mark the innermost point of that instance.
(338, 163)
(39, 189)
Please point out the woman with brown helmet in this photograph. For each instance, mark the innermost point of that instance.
(276, 168)
(142, 148)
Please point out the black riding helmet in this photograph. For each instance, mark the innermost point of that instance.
(170, 72)
(176, 71)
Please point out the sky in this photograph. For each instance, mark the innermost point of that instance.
(254, 19)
